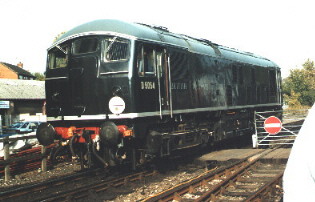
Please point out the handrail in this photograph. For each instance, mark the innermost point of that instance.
(8, 159)
(17, 138)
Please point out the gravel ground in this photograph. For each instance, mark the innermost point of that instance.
(62, 169)
(153, 185)
(132, 192)
(159, 184)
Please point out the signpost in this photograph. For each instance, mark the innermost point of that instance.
(272, 125)
(4, 104)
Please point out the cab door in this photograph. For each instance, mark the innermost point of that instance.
(83, 67)
(154, 80)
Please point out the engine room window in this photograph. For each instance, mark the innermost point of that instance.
(86, 45)
(229, 96)
(116, 49)
(272, 82)
(58, 57)
(240, 75)
(234, 74)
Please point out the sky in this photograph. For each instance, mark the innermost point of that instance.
(280, 30)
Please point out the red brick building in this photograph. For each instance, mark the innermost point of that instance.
(20, 98)
(8, 71)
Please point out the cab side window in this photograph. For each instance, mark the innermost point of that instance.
(146, 61)
(84, 45)
(116, 49)
(58, 56)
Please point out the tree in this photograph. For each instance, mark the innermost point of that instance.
(299, 87)
(39, 76)
(293, 100)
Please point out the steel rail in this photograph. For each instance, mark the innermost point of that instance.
(17, 192)
(225, 175)
(267, 188)
(183, 188)
(83, 191)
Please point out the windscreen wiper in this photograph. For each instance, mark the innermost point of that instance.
(62, 50)
(111, 44)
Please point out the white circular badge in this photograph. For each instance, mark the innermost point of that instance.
(116, 105)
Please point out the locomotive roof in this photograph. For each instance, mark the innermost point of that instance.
(162, 35)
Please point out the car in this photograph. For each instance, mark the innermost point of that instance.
(22, 127)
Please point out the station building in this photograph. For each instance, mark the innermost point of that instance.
(21, 97)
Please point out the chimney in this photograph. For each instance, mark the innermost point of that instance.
(20, 65)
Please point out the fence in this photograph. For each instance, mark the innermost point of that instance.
(24, 157)
(292, 121)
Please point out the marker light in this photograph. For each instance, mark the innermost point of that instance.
(116, 105)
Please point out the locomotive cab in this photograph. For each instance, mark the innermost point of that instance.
(82, 74)
(86, 82)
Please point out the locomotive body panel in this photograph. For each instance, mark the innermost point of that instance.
(209, 76)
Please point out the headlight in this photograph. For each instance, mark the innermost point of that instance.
(116, 105)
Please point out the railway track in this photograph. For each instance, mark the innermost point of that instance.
(63, 188)
(243, 181)
(231, 182)
(222, 183)
(24, 190)
(99, 186)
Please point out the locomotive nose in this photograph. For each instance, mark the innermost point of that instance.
(45, 134)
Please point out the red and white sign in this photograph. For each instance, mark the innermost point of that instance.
(273, 125)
